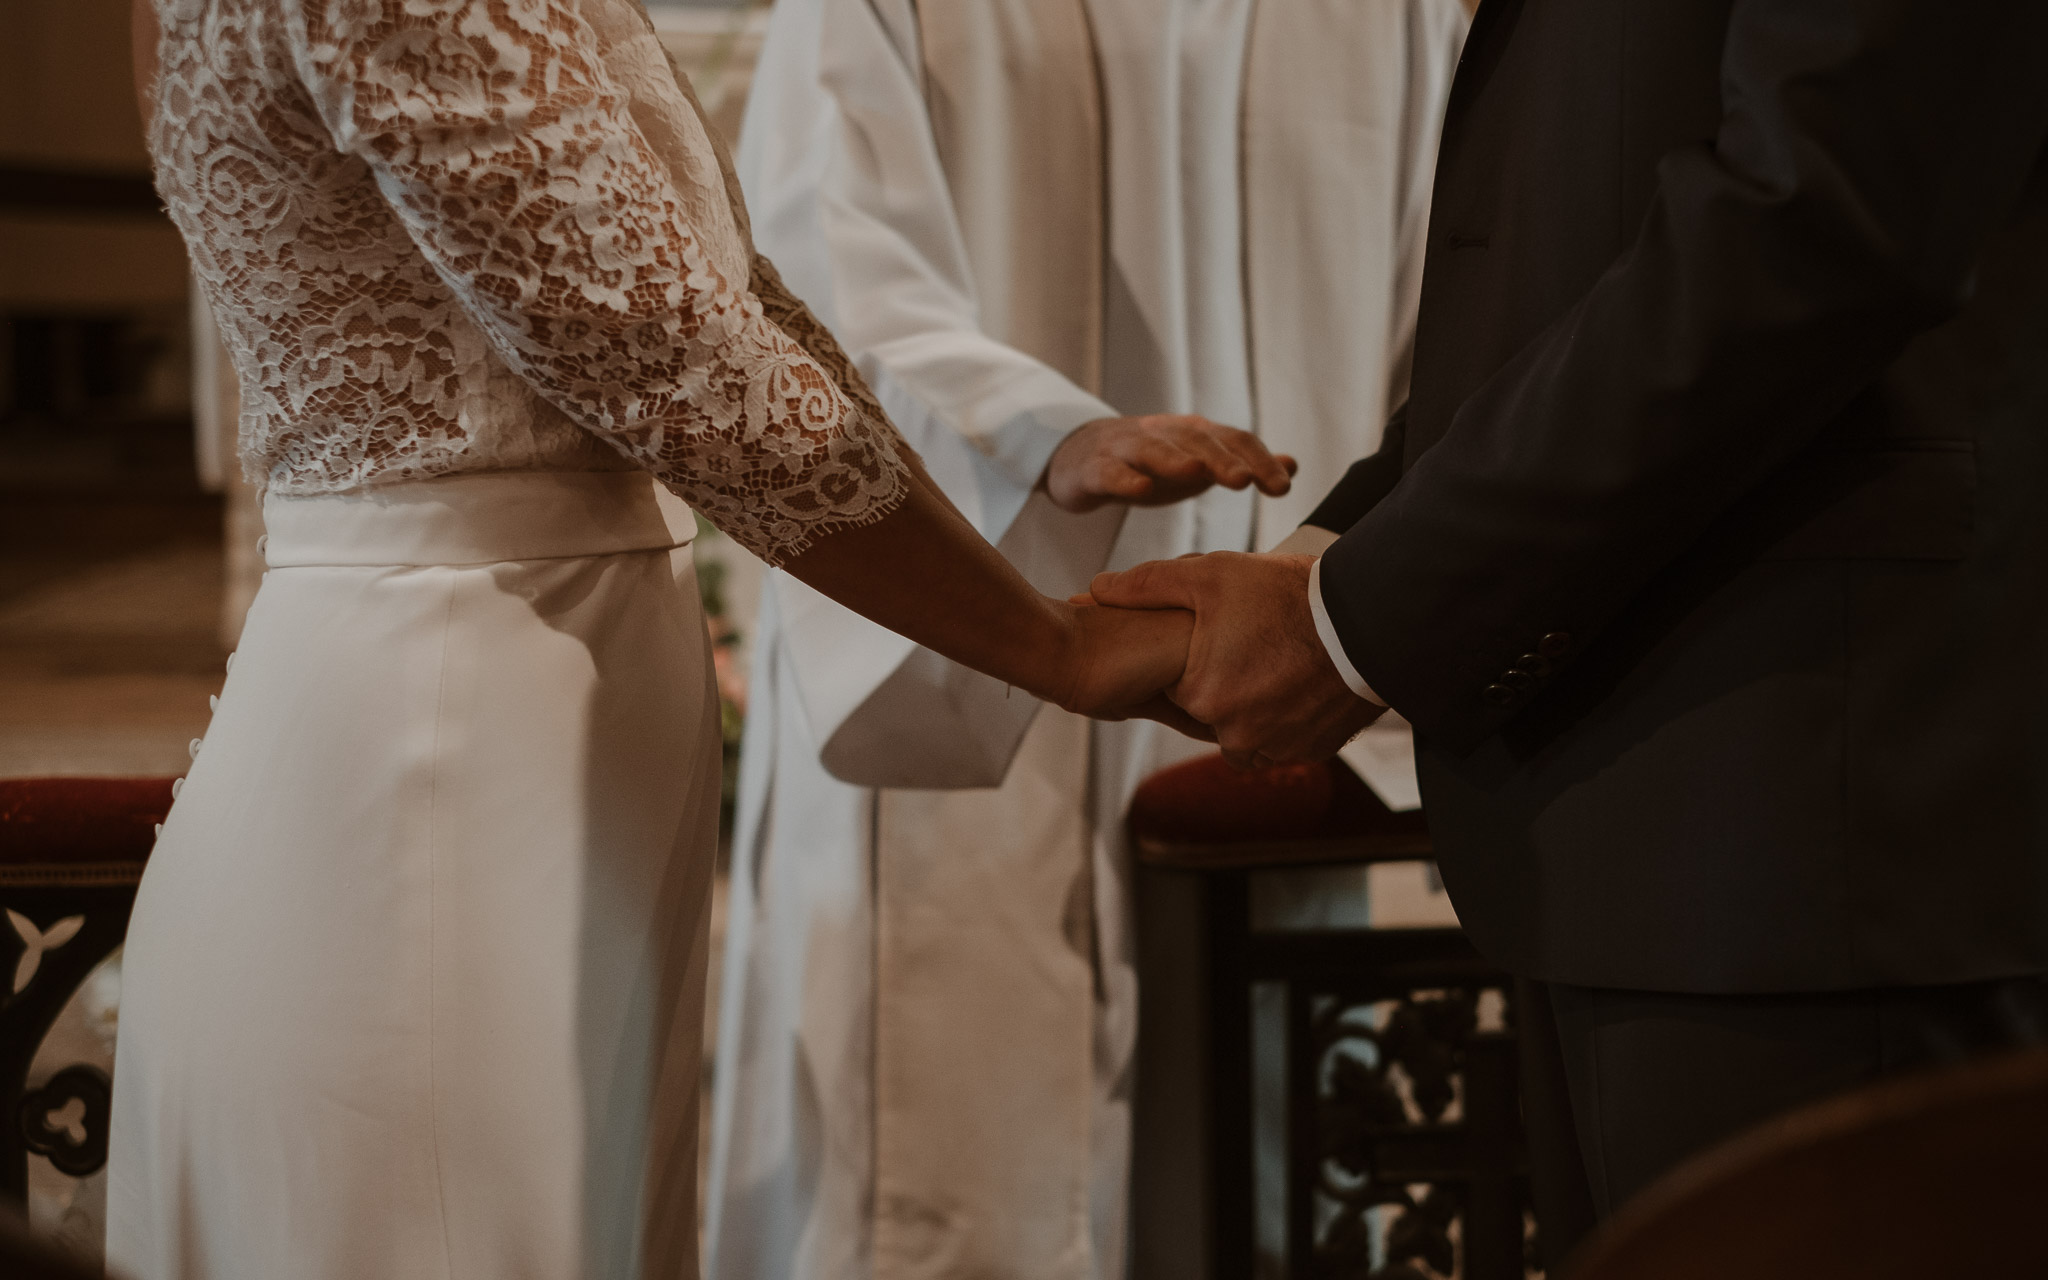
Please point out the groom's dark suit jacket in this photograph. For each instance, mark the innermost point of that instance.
(1710, 556)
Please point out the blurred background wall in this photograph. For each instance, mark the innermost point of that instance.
(94, 360)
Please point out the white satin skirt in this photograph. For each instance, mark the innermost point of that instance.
(414, 983)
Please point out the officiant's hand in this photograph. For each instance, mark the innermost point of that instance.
(1256, 672)
(1157, 459)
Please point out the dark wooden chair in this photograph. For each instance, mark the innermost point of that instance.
(1402, 1110)
(1943, 1174)
(71, 853)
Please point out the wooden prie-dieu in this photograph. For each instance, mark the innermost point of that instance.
(1403, 1150)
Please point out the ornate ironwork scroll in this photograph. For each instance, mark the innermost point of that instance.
(1418, 1152)
(51, 938)
(1405, 1158)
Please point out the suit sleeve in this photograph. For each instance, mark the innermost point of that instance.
(1867, 150)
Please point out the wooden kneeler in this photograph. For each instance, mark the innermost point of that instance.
(1402, 1106)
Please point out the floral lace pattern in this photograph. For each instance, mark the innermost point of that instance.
(470, 235)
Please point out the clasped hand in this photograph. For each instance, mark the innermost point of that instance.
(1221, 647)
(1253, 676)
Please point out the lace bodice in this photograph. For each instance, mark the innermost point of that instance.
(467, 235)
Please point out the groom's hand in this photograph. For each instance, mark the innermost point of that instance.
(1159, 458)
(1256, 672)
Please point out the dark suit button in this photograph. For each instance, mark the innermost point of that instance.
(1517, 680)
(1555, 644)
(1499, 695)
(1533, 664)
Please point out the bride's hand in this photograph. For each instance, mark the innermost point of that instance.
(1120, 662)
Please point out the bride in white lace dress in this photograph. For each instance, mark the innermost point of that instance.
(415, 976)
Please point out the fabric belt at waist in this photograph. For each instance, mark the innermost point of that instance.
(477, 519)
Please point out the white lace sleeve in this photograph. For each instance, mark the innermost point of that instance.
(496, 133)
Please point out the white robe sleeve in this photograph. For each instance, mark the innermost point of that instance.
(850, 200)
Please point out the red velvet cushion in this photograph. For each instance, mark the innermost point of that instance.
(60, 820)
(1205, 802)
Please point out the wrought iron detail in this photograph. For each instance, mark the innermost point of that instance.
(66, 1119)
(1404, 1150)
(36, 943)
(59, 933)
(1412, 1101)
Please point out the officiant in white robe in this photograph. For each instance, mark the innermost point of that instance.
(1021, 216)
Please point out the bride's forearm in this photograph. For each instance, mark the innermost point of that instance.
(923, 572)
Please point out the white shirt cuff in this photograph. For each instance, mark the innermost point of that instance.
(1331, 644)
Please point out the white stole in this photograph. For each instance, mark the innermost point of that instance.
(1017, 121)
(1016, 113)
(1326, 233)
